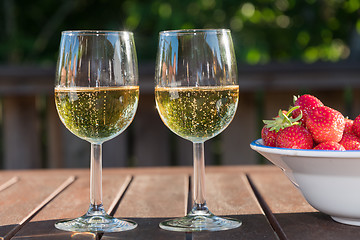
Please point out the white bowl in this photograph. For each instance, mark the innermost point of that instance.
(329, 180)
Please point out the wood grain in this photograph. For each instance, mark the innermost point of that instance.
(34, 203)
(295, 217)
(6, 182)
(20, 201)
(71, 203)
(21, 132)
(236, 138)
(159, 196)
(149, 200)
(150, 135)
(279, 193)
(230, 194)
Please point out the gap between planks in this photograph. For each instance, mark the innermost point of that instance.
(116, 202)
(267, 211)
(124, 187)
(188, 202)
(26, 219)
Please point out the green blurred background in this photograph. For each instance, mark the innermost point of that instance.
(283, 48)
(263, 30)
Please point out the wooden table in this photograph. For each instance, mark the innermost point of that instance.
(262, 197)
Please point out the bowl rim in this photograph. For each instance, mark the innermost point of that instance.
(258, 145)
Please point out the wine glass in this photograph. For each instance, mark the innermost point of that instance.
(196, 96)
(96, 96)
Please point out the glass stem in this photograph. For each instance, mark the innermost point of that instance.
(199, 178)
(96, 176)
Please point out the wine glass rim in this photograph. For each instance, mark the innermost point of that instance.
(94, 32)
(194, 31)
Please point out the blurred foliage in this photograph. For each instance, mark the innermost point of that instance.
(263, 30)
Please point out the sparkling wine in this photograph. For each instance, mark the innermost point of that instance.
(96, 114)
(197, 113)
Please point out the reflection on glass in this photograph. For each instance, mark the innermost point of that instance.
(197, 96)
(96, 96)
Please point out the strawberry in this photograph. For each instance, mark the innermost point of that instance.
(348, 125)
(325, 124)
(296, 137)
(330, 146)
(350, 141)
(306, 104)
(282, 120)
(270, 130)
(268, 136)
(356, 126)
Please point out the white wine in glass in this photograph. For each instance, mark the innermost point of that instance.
(196, 95)
(96, 96)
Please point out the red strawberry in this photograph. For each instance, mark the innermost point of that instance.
(295, 136)
(330, 146)
(306, 104)
(272, 127)
(268, 136)
(356, 126)
(348, 125)
(350, 141)
(325, 124)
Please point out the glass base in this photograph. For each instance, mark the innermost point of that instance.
(200, 220)
(96, 220)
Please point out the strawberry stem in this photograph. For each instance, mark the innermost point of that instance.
(283, 120)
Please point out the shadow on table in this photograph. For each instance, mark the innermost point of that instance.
(253, 227)
(315, 225)
(46, 230)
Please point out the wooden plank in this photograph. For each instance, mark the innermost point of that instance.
(54, 143)
(189, 170)
(148, 228)
(298, 76)
(280, 194)
(72, 203)
(162, 170)
(242, 130)
(155, 196)
(211, 150)
(26, 80)
(151, 136)
(275, 100)
(32, 80)
(115, 151)
(76, 151)
(298, 200)
(230, 195)
(355, 109)
(7, 182)
(5, 177)
(184, 151)
(297, 219)
(19, 202)
(21, 131)
(334, 99)
(149, 200)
